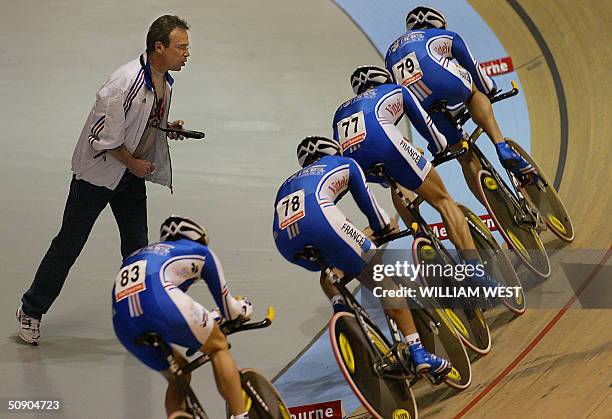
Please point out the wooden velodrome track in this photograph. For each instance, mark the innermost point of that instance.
(554, 363)
(274, 50)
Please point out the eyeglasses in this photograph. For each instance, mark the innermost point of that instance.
(183, 47)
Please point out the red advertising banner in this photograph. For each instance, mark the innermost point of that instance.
(325, 410)
(440, 230)
(497, 67)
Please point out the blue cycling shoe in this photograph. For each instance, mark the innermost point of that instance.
(436, 368)
(514, 162)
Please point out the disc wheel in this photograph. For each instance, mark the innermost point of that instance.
(469, 324)
(547, 200)
(261, 399)
(496, 262)
(523, 238)
(382, 398)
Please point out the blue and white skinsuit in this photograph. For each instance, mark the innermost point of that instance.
(306, 215)
(421, 61)
(149, 296)
(366, 128)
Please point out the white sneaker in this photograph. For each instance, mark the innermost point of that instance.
(29, 327)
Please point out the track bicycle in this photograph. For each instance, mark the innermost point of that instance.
(261, 398)
(520, 210)
(378, 369)
(427, 248)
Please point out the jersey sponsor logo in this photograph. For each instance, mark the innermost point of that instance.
(394, 46)
(353, 233)
(395, 108)
(464, 74)
(182, 270)
(413, 37)
(369, 94)
(318, 169)
(442, 48)
(412, 152)
(410, 37)
(497, 67)
(158, 248)
(338, 185)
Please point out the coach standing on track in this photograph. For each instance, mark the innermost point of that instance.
(120, 146)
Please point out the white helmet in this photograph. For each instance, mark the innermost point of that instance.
(313, 147)
(367, 76)
(423, 17)
(176, 227)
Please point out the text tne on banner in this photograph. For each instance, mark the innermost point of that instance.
(498, 67)
(325, 410)
(439, 229)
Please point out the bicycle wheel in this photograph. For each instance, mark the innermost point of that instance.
(438, 336)
(382, 398)
(469, 324)
(521, 237)
(496, 263)
(261, 398)
(547, 201)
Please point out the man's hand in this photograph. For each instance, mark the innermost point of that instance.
(141, 168)
(392, 227)
(175, 124)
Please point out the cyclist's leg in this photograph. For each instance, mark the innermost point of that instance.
(481, 111)
(434, 192)
(175, 396)
(224, 368)
(471, 166)
(399, 205)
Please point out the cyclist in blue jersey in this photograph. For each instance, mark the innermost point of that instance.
(365, 128)
(420, 60)
(306, 215)
(149, 296)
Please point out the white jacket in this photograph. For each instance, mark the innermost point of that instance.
(120, 116)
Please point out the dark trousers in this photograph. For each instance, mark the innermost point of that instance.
(84, 204)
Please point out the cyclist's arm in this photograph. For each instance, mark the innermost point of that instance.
(377, 217)
(212, 274)
(464, 57)
(423, 122)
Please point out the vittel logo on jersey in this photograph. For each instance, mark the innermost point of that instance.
(338, 185)
(442, 49)
(354, 234)
(394, 108)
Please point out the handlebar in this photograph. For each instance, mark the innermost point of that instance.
(464, 116)
(394, 236)
(450, 155)
(234, 326)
